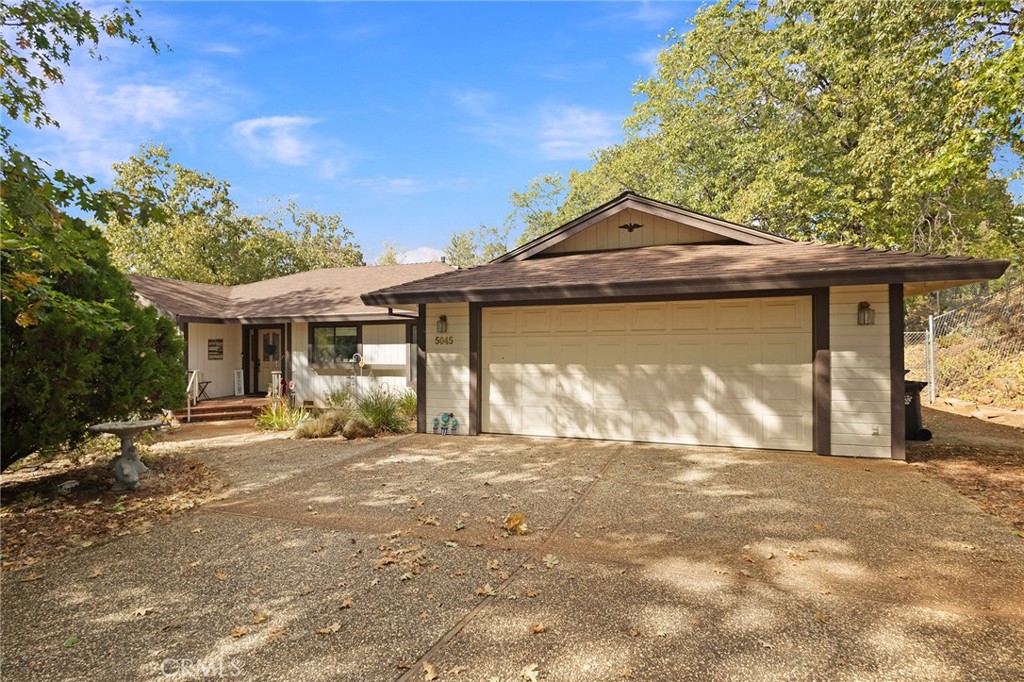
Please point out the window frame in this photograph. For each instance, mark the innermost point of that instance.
(316, 364)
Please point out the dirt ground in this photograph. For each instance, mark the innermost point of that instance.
(979, 459)
(48, 509)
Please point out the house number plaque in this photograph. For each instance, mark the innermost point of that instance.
(444, 340)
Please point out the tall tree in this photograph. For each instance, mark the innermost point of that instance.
(871, 122)
(391, 255)
(199, 234)
(74, 346)
(475, 247)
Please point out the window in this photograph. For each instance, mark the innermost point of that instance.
(334, 345)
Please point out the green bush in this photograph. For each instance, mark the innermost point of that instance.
(326, 424)
(383, 410)
(407, 403)
(280, 415)
(338, 397)
(75, 347)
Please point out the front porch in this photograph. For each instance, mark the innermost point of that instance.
(223, 409)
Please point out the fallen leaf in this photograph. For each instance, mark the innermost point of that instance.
(493, 565)
(71, 641)
(307, 591)
(538, 628)
(765, 645)
(406, 576)
(485, 590)
(429, 672)
(144, 611)
(330, 629)
(633, 632)
(530, 673)
(457, 670)
(258, 618)
(347, 603)
(820, 617)
(820, 527)
(96, 573)
(532, 593)
(255, 591)
(424, 614)
(220, 575)
(276, 635)
(515, 523)
(451, 544)
(197, 530)
(550, 561)
(31, 577)
(627, 672)
(239, 632)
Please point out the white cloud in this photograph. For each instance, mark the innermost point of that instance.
(279, 138)
(388, 185)
(573, 132)
(221, 48)
(556, 132)
(106, 110)
(421, 254)
(647, 58)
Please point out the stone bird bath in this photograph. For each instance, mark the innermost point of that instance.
(127, 466)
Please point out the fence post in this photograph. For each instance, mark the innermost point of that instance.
(930, 348)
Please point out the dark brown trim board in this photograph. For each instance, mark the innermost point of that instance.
(898, 428)
(822, 372)
(421, 370)
(184, 336)
(475, 366)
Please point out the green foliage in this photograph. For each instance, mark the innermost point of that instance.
(391, 255)
(324, 425)
(36, 44)
(199, 235)
(338, 397)
(862, 122)
(407, 404)
(280, 415)
(383, 410)
(476, 247)
(75, 348)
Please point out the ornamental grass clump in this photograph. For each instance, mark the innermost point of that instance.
(324, 425)
(280, 415)
(383, 410)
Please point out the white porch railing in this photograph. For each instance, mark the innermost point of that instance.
(191, 393)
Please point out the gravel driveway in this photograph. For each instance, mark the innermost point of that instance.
(387, 560)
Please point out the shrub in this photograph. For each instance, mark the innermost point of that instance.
(338, 397)
(383, 410)
(325, 425)
(280, 415)
(407, 403)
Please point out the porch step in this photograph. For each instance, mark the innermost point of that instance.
(217, 410)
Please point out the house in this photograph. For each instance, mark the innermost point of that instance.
(643, 321)
(311, 328)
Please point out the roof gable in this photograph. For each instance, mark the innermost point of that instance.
(631, 221)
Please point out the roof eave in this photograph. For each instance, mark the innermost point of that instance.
(939, 272)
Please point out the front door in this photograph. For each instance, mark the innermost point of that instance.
(266, 358)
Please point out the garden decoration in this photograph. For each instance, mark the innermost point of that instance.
(444, 421)
(127, 466)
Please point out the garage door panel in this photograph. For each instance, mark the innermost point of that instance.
(733, 373)
(500, 322)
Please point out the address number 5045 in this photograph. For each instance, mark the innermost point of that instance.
(443, 340)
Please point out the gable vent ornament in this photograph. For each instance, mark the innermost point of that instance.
(630, 225)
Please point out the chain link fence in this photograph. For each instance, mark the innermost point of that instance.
(974, 353)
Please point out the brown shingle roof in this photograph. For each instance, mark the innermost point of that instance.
(684, 269)
(319, 294)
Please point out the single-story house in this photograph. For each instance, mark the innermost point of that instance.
(643, 321)
(311, 328)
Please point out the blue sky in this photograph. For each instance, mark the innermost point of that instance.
(411, 120)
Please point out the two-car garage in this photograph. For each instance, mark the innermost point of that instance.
(733, 372)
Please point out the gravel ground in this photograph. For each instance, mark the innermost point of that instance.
(387, 560)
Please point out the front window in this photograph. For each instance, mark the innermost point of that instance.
(333, 345)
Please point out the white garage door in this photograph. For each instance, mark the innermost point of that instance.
(731, 372)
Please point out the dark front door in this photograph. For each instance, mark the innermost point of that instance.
(266, 351)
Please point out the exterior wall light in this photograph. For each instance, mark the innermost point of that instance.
(865, 313)
(442, 324)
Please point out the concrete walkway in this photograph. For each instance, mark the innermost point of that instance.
(387, 560)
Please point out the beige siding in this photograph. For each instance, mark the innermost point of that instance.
(448, 364)
(861, 381)
(220, 373)
(384, 344)
(606, 235)
(313, 384)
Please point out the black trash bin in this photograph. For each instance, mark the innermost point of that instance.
(912, 402)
